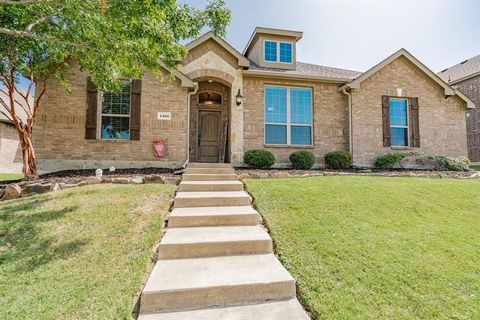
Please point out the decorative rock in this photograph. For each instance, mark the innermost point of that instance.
(69, 185)
(107, 180)
(263, 175)
(82, 183)
(37, 188)
(121, 180)
(281, 174)
(94, 180)
(244, 176)
(56, 187)
(172, 180)
(11, 191)
(153, 178)
(137, 180)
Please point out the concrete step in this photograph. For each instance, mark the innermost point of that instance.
(209, 170)
(213, 216)
(184, 243)
(208, 165)
(209, 177)
(275, 310)
(220, 281)
(232, 185)
(211, 199)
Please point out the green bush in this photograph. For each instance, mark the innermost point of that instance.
(338, 160)
(302, 159)
(451, 164)
(390, 160)
(260, 159)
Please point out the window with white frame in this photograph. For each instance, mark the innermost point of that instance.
(398, 122)
(288, 116)
(277, 51)
(115, 114)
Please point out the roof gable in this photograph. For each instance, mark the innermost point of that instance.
(242, 61)
(449, 91)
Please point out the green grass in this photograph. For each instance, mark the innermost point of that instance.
(78, 253)
(475, 167)
(10, 176)
(378, 248)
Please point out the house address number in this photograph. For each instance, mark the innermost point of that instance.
(164, 116)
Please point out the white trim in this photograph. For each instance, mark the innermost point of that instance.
(278, 51)
(100, 115)
(407, 106)
(288, 124)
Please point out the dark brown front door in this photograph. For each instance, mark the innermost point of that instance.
(209, 133)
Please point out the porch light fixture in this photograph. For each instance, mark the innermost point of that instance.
(239, 98)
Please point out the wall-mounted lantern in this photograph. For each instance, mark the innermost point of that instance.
(239, 98)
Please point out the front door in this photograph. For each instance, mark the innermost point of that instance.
(209, 133)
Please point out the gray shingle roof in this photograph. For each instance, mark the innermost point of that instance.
(308, 69)
(464, 69)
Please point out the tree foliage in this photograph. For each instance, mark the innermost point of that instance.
(109, 38)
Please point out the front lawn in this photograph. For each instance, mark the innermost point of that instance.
(378, 248)
(79, 253)
(10, 176)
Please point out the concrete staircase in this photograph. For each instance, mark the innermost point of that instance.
(216, 260)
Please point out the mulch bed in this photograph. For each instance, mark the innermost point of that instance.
(76, 176)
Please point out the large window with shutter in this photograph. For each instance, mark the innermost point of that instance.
(115, 114)
(400, 122)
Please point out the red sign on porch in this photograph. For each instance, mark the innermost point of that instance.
(160, 148)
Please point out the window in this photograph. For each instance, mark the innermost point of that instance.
(276, 51)
(209, 98)
(115, 117)
(398, 122)
(288, 116)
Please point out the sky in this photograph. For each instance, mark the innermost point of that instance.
(357, 34)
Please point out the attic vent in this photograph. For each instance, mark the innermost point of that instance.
(444, 70)
(463, 61)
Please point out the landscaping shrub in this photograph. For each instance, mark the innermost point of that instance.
(390, 160)
(302, 160)
(446, 163)
(338, 160)
(260, 159)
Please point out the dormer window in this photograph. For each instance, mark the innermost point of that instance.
(278, 51)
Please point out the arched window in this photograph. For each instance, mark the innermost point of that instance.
(209, 98)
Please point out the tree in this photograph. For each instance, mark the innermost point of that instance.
(41, 39)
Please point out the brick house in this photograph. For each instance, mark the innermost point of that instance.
(223, 103)
(466, 77)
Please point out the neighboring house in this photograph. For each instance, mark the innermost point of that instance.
(10, 150)
(224, 102)
(466, 77)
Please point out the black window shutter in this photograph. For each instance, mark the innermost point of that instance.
(414, 124)
(386, 121)
(92, 105)
(135, 109)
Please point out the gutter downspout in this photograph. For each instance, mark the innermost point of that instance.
(190, 94)
(350, 121)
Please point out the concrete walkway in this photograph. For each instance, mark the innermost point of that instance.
(216, 260)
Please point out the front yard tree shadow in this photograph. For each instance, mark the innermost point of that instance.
(23, 245)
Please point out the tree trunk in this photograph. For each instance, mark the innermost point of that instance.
(30, 169)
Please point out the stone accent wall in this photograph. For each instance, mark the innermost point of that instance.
(330, 119)
(471, 88)
(195, 107)
(59, 136)
(217, 65)
(442, 121)
(10, 150)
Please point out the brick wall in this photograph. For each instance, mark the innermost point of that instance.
(442, 121)
(10, 150)
(59, 136)
(330, 118)
(471, 88)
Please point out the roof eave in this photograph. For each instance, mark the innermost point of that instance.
(273, 75)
